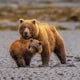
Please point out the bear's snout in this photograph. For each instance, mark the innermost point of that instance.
(25, 34)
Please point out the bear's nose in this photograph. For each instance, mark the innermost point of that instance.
(25, 33)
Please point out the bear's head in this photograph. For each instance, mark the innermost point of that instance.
(34, 47)
(27, 28)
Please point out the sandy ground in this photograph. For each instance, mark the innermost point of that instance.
(56, 71)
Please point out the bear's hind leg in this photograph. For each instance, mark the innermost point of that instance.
(60, 52)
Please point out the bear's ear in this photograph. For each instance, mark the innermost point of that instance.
(34, 21)
(21, 20)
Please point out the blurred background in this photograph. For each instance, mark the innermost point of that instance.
(64, 14)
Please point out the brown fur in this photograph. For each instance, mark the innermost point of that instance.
(48, 34)
(23, 50)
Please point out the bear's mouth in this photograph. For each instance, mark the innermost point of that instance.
(26, 37)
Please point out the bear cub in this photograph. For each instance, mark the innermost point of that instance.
(22, 51)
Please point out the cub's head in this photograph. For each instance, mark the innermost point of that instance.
(34, 47)
(27, 28)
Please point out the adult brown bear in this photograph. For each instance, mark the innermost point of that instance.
(23, 50)
(52, 40)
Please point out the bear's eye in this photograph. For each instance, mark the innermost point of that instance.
(24, 27)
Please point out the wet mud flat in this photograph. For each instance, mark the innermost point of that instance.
(55, 71)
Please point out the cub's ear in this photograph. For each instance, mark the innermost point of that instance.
(31, 40)
(34, 21)
(21, 20)
(40, 43)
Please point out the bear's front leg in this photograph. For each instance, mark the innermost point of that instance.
(45, 55)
